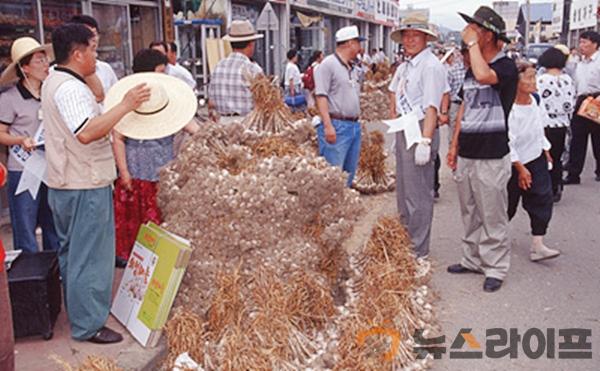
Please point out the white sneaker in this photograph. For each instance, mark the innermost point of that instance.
(543, 253)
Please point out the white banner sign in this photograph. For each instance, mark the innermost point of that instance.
(583, 14)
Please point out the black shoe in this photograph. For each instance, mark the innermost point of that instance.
(106, 336)
(120, 262)
(458, 269)
(571, 180)
(436, 194)
(597, 178)
(491, 284)
(557, 196)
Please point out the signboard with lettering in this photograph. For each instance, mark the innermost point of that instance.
(583, 14)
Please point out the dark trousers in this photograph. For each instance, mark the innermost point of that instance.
(537, 200)
(581, 128)
(556, 136)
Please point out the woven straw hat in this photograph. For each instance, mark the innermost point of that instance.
(416, 22)
(21, 48)
(242, 31)
(171, 106)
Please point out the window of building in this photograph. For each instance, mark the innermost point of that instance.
(17, 18)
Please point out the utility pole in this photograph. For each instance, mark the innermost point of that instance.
(527, 21)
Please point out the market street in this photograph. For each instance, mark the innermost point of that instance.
(558, 294)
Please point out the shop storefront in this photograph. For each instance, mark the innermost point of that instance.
(125, 26)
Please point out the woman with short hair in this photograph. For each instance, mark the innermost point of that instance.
(557, 92)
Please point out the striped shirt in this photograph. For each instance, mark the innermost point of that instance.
(229, 89)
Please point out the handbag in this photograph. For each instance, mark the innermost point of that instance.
(295, 100)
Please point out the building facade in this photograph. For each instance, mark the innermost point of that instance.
(583, 16)
(125, 25)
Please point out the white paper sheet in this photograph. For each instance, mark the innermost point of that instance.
(35, 171)
(408, 123)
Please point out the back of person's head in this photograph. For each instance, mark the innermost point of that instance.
(172, 47)
(380, 49)
(67, 38)
(162, 44)
(146, 60)
(291, 54)
(373, 51)
(315, 56)
(552, 58)
(592, 36)
(85, 20)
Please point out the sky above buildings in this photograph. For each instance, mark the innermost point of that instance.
(444, 12)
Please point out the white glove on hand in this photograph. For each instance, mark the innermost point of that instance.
(423, 152)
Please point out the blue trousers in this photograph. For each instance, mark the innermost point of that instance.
(26, 214)
(85, 224)
(345, 152)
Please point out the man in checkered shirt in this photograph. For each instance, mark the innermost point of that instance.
(229, 91)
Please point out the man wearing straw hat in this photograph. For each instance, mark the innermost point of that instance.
(480, 142)
(338, 102)
(81, 170)
(416, 92)
(229, 91)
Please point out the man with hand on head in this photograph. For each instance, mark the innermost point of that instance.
(81, 170)
(479, 152)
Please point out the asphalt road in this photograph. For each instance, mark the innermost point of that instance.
(559, 294)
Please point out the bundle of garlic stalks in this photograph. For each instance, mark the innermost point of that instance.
(372, 175)
(270, 113)
(374, 97)
(90, 363)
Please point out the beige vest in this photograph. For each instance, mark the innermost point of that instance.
(72, 164)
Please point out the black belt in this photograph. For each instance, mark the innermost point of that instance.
(342, 118)
(230, 114)
(456, 101)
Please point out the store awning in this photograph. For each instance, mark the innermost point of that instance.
(306, 20)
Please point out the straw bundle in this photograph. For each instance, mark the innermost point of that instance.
(372, 176)
(91, 363)
(270, 114)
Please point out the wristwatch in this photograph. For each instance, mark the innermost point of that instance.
(471, 43)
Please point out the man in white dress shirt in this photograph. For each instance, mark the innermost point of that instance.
(417, 89)
(175, 69)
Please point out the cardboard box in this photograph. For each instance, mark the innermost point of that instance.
(150, 282)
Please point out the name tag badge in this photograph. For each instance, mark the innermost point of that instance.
(19, 153)
(403, 106)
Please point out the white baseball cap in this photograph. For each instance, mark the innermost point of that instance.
(347, 33)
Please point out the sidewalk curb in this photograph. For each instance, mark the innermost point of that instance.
(144, 359)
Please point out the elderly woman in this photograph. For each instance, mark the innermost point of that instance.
(530, 156)
(139, 163)
(20, 119)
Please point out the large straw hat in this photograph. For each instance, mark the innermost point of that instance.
(171, 106)
(242, 31)
(415, 21)
(21, 48)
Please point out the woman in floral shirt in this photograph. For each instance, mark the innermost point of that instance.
(557, 92)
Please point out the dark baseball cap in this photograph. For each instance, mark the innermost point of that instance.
(487, 18)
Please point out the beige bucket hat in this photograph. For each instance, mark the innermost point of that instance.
(242, 31)
(21, 48)
(415, 21)
(171, 106)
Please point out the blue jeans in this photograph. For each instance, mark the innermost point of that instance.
(26, 214)
(345, 151)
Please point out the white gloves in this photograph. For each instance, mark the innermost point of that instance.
(423, 152)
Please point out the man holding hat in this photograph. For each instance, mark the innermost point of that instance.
(81, 170)
(338, 102)
(416, 92)
(229, 91)
(483, 167)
